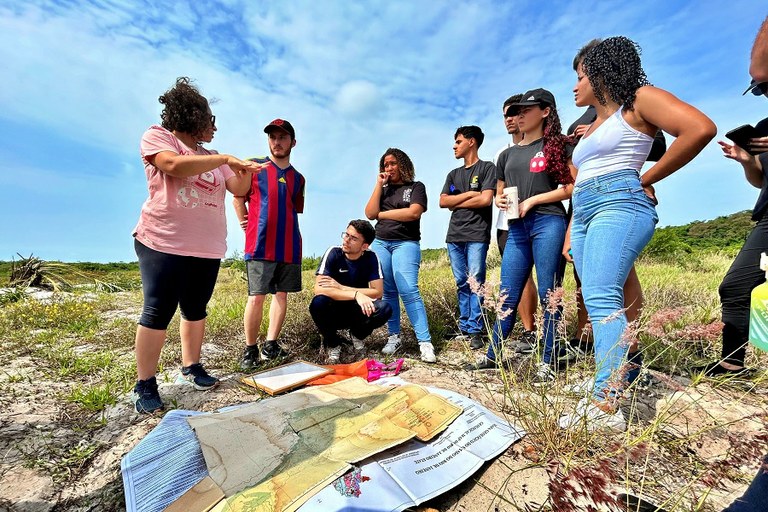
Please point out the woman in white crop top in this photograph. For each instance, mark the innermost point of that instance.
(614, 213)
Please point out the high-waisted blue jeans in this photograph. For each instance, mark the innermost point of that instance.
(613, 220)
(536, 239)
(400, 260)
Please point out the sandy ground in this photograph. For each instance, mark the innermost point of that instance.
(36, 430)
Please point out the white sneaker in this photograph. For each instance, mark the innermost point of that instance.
(393, 344)
(359, 345)
(334, 354)
(427, 352)
(587, 414)
(582, 388)
(544, 375)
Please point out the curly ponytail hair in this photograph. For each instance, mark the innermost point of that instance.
(185, 109)
(554, 148)
(407, 172)
(614, 69)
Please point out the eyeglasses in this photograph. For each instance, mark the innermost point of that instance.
(213, 120)
(347, 236)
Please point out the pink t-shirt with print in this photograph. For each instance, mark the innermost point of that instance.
(183, 216)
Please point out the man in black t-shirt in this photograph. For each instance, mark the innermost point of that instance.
(348, 288)
(468, 193)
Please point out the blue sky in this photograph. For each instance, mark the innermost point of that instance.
(81, 81)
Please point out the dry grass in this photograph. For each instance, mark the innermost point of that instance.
(688, 441)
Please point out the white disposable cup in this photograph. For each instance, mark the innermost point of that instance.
(513, 210)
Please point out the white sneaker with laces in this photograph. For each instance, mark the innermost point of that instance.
(393, 344)
(582, 388)
(544, 375)
(427, 352)
(358, 344)
(588, 414)
(334, 354)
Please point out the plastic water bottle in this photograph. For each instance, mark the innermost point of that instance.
(758, 311)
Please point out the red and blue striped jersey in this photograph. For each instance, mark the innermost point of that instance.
(273, 222)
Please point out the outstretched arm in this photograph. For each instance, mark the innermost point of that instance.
(753, 168)
(182, 166)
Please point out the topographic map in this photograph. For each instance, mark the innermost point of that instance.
(276, 454)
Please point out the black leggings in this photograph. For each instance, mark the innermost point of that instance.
(735, 290)
(169, 280)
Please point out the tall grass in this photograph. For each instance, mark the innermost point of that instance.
(88, 344)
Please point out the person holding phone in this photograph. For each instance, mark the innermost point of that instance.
(397, 204)
(744, 274)
(614, 208)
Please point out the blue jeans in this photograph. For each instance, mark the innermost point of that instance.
(536, 239)
(468, 260)
(400, 260)
(613, 220)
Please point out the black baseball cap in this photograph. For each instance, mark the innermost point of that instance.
(757, 88)
(541, 97)
(281, 124)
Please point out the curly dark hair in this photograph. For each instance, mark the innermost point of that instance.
(185, 109)
(554, 148)
(584, 51)
(365, 228)
(614, 69)
(407, 172)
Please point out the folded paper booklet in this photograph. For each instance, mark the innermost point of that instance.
(286, 377)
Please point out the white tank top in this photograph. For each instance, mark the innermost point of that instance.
(613, 146)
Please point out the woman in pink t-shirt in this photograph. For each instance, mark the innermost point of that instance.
(181, 235)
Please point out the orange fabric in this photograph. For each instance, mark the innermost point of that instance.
(342, 372)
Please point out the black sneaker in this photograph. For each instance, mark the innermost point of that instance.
(476, 341)
(460, 336)
(580, 348)
(526, 344)
(272, 350)
(145, 396)
(250, 358)
(716, 369)
(482, 363)
(196, 375)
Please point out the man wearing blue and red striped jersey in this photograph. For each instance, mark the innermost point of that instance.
(269, 216)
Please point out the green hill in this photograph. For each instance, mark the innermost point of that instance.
(726, 233)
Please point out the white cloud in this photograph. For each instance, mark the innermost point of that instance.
(359, 98)
(401, 74)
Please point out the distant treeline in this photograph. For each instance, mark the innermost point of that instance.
(724, 234)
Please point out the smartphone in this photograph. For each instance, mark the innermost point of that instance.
(741, 135)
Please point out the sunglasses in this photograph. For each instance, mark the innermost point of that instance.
(213, 120)
(760, 89)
